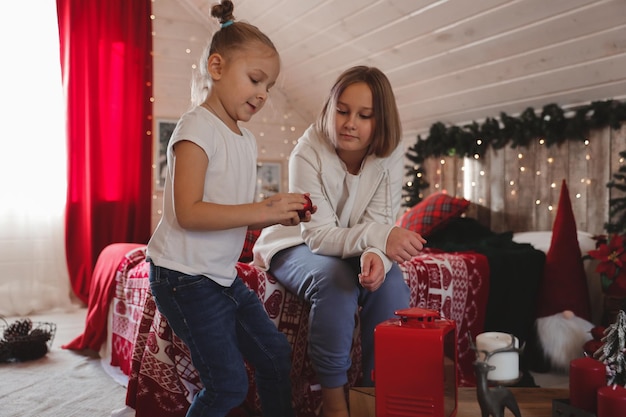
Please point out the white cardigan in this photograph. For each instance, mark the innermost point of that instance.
(314, 167)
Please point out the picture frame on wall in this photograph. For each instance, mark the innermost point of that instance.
(165, 128)
(269, 179)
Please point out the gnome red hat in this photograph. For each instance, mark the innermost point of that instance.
(564, 284)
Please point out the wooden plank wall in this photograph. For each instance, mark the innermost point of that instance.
(518, 189)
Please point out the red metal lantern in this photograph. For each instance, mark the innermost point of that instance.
(415, 365)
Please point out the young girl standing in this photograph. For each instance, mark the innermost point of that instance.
(350, 161)
(208, 206)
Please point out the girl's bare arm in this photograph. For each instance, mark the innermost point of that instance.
(194, 214)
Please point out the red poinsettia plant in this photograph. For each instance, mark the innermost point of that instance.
(612, 267)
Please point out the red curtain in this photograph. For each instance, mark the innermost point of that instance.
(106, 60)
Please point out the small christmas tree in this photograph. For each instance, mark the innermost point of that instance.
(613, 351)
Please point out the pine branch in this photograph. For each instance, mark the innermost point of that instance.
(613, 350)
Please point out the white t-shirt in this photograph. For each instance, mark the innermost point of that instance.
(230, 179)
(346, 203)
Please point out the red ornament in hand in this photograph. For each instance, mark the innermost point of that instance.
(307, 207)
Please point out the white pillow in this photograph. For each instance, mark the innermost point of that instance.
(542, 240)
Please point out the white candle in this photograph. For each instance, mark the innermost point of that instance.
(506, 363)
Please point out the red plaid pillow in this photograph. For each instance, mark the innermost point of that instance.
(248, 244)
(432, 213)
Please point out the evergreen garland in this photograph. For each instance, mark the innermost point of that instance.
(552, 125)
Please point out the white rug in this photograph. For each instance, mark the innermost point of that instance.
(64, 383)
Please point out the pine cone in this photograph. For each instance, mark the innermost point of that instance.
(39, 335)
(18, 329)
(28, 350)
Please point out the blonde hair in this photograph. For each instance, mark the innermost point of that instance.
(232, 36)
(387, 128)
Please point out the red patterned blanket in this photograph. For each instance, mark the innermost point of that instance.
(112, 265)
(163, 380)
(131, 291)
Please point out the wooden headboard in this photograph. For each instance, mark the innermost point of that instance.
(517, 189)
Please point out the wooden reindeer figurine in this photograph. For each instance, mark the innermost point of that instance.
(493, 400)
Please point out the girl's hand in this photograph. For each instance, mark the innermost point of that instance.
(284, 208)
(308, 207)
(372, 273)
(403, 244)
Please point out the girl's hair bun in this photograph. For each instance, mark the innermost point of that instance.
(223, 11)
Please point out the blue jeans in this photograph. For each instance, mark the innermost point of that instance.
(221, 326)
(331, 285)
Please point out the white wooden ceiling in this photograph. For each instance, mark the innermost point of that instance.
(452, 61)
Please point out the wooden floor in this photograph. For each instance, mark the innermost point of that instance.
(533, 402)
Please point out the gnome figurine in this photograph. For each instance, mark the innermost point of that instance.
(563, 308)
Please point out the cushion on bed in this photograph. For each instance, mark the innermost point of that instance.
(432, 213)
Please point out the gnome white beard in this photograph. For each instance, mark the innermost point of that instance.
(562, 337)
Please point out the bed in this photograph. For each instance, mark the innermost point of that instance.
(161, 379)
